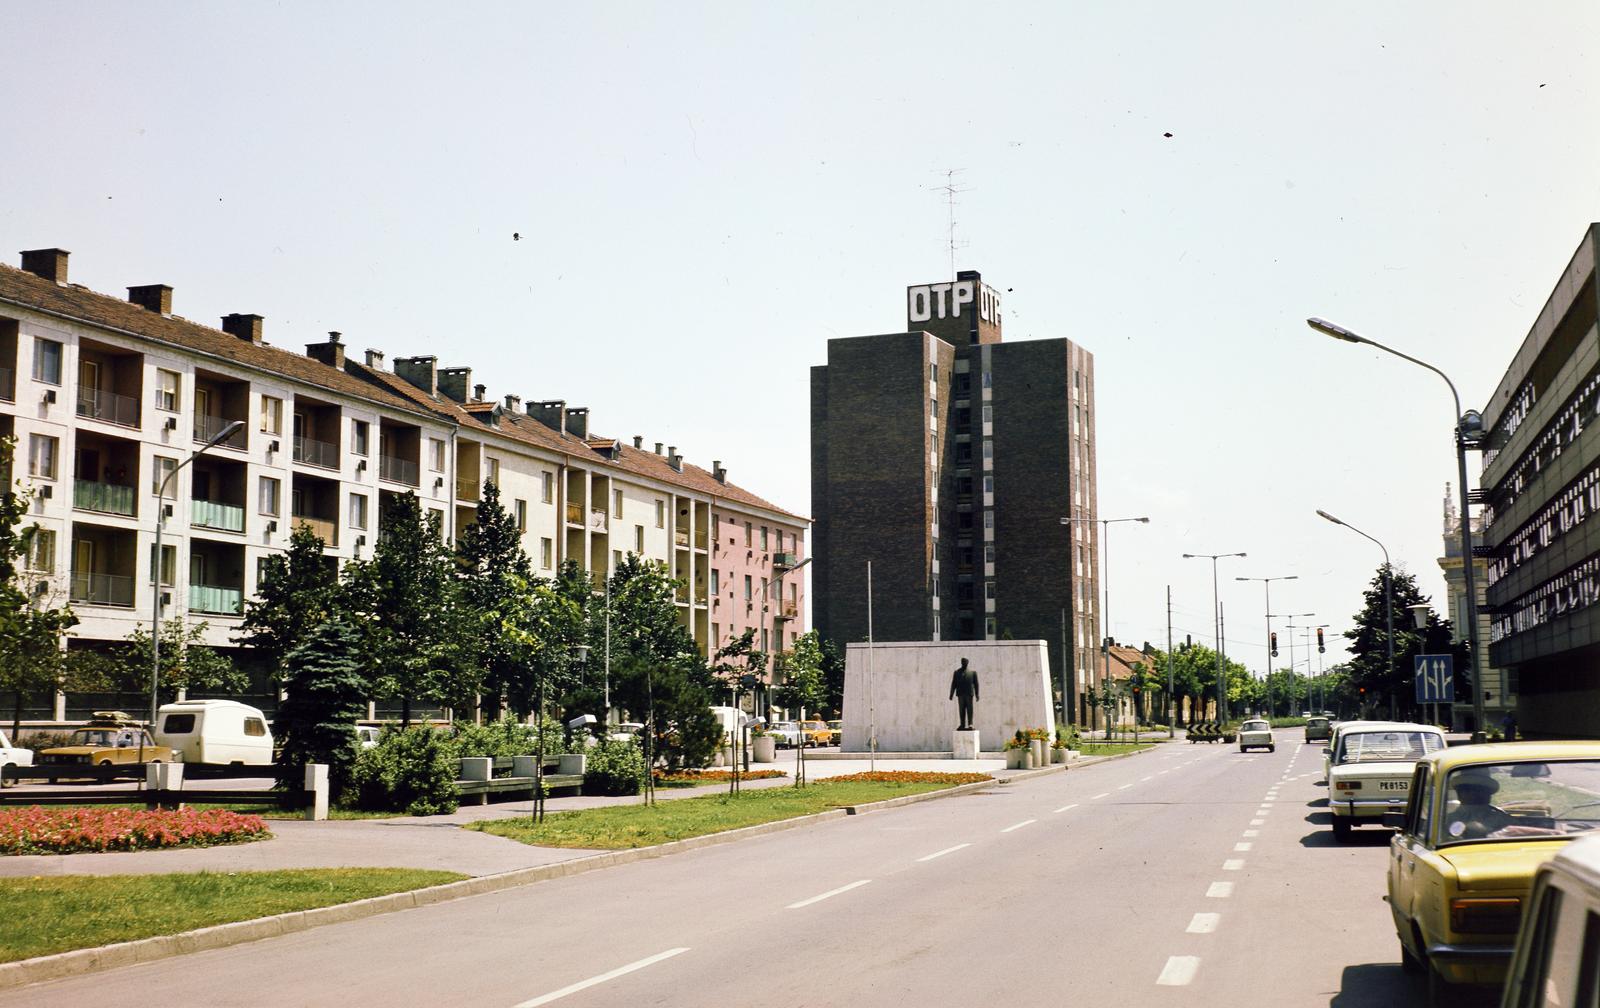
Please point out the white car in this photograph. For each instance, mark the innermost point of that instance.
(787, 733)
(367, 735)
(1333, 743)
(1371, 772)
(1256, 734)
(11, 756)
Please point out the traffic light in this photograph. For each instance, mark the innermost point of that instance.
(1274, 642)
(1320, 646)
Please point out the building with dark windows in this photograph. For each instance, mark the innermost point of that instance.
(1541, 487)
(948, 459)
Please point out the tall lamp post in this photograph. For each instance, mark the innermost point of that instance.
(1388, 582)
(1292, 627)
(1105, 608)
(1216, 622)
(1468, 430)
(155, 573)
(1322, 699)
(1266, 586)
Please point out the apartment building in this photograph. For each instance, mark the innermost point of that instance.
(108, 398)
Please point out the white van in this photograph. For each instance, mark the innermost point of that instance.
(215, 731)
(1555, 953)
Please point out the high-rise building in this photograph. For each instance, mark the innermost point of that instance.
(948, 460)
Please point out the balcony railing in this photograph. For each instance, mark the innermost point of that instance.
(466, 489)
(574, 513)
(8, 388)
(102, 589)
(317, 453)
(680, 537)
(207, 427)
(87, 495)
(326, 529)
(786, 611)
(215, 599)
(109, 407)
(597, 521)
(217, 515)
(397, 470)
(784, 560)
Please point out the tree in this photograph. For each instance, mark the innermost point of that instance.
(298, 592)
(803, 687)
(1368, 667)
(187, 662)
(31, 657)
(324, 694)
(494, 571)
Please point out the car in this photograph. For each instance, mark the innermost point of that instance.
(1319, 729)
(786, 734)
(215, 731)
(817, 733)
(1333, 741)
(1479, 823)
(835, 732)
(1371, 772)
(1559, 929)
(109, 738)
(1256, 734)
(12, 756)
(367, 735)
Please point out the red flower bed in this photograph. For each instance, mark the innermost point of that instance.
(910, 777)
(714, 776)
(39, 830)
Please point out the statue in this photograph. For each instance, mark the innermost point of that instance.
(964, 691)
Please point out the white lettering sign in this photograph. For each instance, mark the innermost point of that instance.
(948, 300)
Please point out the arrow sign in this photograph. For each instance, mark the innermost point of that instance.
(1435, 678)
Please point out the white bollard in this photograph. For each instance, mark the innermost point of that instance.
(317, 784)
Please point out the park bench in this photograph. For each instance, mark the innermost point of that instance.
(512, 777)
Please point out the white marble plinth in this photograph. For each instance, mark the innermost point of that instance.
(964, 744)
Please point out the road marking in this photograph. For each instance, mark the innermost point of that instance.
(1019, 825)
(830, 892)
(1149, 778)
(1065, 808)
(1100, 796)
(1203, 923)
(1179, 971)
(1124, 787)
(1220, 890)
(942, 853)
(1262, 811)
(1257, 822)
(1233, 864)
(1252, 832)
(602, 978)
(1242, 845)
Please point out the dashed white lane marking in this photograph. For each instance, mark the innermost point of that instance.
(1233, 864)
(1241, 846)
(1203, 923)
(1100, 796)
(1257, 822)
(1066, 808)
(942, 853)
(1019, 825)
(1124, 787)
(1252, 832)
(1220, 890)
(1263, 810)
(1149, 778)
(1178, 971)
(602, 978)
(830, 892)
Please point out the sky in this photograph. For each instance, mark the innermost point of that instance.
(706, 193)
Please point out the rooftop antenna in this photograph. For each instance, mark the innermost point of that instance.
(951, 190)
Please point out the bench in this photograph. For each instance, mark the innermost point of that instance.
(477, 777)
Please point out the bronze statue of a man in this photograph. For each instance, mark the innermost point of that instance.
(964, 691)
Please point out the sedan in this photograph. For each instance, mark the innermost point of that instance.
(1371, 772)
(1256, 734)
(787, 734)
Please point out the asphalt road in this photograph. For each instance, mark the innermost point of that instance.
(1190, 875)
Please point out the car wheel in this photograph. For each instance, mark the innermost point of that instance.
(1408, 962)
(6, 780)
(1272, 748)
(1341, 829)
(1441, 992)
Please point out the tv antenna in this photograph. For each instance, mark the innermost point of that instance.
(951, 191)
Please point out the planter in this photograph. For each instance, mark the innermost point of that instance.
(725, 756)
(764, 749)
(1017, 759)
(1058, 756)
(1040, 757)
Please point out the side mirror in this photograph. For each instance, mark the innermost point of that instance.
(1394, 820)
(1327, 752)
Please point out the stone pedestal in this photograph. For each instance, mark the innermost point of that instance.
(964, 744)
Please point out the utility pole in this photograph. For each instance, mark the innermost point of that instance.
(1170, 712)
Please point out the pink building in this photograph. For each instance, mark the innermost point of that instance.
(753, 551)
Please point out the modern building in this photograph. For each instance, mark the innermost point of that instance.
(1499, 694)
(947, 459)
(1541, 486)
(106, 396)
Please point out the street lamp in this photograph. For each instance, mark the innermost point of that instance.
(1266, 586)
(1468, 427)
(1105, 608)
(1216, 617)
(1292, 627)
(155, 573)
(779, 572)
(1388, 580)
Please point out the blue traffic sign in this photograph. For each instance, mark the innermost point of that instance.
(1436, 678)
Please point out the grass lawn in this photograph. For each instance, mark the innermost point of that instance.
(58, 914)
(623, 826)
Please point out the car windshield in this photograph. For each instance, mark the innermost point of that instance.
(105, 737)
(1522, 800)
(1387, 746)
(1254, 726)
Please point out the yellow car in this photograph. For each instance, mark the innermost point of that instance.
(817, 733)
(1479, 822)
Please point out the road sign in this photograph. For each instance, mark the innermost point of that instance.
(1435, 678)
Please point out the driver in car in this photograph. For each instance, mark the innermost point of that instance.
(1475, 817)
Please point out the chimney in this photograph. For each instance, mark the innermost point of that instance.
(48, 263)
(550, 412)
(578, 421)
(513, 403)
(330, 353)
(453, 382)
(374, 359)
(419, 371)
(478, 392)
(674, 459)
(638, 442)
(245, 327)
(658, 448)
(152, 297)
(718, 473)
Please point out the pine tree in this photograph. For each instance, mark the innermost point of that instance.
(298, 592)
(1369, 668)
(493, 568)
(324, 694)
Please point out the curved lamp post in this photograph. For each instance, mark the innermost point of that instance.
(1216, 613)
(1388, 582)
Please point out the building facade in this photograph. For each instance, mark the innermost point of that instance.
(948, 459)
(1499, 685)
(107, 398)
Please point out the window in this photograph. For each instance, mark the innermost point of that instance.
(638, 539)
(716, 635)
(437, 517)
(988, 626)
(359, 432)
(988, 553)
(358, 511)
(46, 361)
(167, 390)
(747, 533)
(988, 449)
(661, 514)
(988, 519)
(716, 581)
(749, 587)
(271, 415)
(494, 471)
(169, 564)
(988, 380)
(763, 537)
(764, 639)
(42, 456)
(163, 468)
(255, 727)
(547, 487)
(521, 508)
(178, 724)
(42, 551)
(436, 455)
(616, 503)
(264, 567)
(546, 553)
(933, 371)
(268, 497)
(988, 413)
(616, 559)
(988, 483)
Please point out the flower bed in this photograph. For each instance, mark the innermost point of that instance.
(39, 830)
(716, 776)
(909, 777)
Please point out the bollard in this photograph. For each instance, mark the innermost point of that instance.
(317, 784)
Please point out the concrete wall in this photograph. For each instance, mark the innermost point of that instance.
(909, 684)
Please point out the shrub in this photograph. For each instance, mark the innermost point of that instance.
(36, 830)
(408, 770)
(39, 741)
(1018, 741)
(505, 737)
(614, 767)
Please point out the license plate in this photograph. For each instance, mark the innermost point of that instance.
(1393, 785)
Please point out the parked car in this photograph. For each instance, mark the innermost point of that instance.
(1560, 929)
(215, 731)
(1480, 822)
(367, 735)
(1371, 772)
(1333, 740)
(835, 732)
(12, 756)
(787, 734)
(1256, 734)
(109, 738)
(1318, 729)
(816, 732)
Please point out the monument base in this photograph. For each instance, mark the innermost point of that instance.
(964, 744)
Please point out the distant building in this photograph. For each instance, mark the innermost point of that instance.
(947, 459)
(1498, 685)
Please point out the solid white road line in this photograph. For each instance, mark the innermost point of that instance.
(1019, 825)
(1178, 971)
(942, 853)
(1220, 890)
(1203, 923)
(1100, 796)
(1233, 864)
(830, 892)
(1066, 808)
(602, 978)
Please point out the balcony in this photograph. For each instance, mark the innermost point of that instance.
(108, 407)
(207, 427)
(785, 560)
(786, 611)
(466, 489)
(216, 515)
(597, 521)
(102, 589)
(108, 498)
(325, 529)
(574, 513)
(397, 470)
(317, 453)
(216, 600)
(680, 538)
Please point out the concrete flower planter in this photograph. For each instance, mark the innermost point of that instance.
(1017, 759)
(1040, 756)
(1058, 755)
(764, 749)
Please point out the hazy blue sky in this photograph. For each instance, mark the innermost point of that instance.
(707, 193)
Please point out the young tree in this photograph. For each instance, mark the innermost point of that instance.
(187, 662)
(803, 687)
(494, 571)
(31, 658)
(298, 592)
(324, 694)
